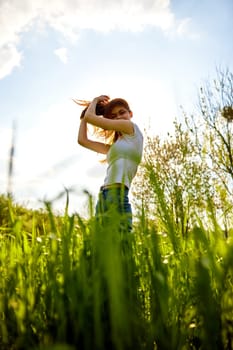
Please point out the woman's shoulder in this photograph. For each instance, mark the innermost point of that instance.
(136, 135)
(137, 130)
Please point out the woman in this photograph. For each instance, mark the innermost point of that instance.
(123, 150)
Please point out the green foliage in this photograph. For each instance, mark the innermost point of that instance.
(81, 285)
(173, 168)
(194, 163)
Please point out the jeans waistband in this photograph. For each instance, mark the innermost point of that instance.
(114, 186)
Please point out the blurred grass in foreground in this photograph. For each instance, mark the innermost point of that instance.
(69, 283)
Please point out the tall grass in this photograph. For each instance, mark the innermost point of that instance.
(71, 283)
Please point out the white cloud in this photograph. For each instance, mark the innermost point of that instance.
(69, 18)
(184, 29)
(10, 58)
(62, 54)
(15, 17)
(102, 15)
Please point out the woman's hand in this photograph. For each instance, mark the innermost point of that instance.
(102, 99)
(96, 107)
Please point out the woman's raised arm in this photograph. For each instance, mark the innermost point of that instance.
(120, 125)
(84, 141)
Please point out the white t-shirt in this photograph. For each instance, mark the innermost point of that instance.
(124, 157)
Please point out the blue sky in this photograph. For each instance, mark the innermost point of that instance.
(153, 53)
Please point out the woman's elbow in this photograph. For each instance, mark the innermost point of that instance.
(81, 142)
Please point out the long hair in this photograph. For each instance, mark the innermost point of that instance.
(106, 135)
(109, 136)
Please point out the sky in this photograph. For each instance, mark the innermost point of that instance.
(154, 53)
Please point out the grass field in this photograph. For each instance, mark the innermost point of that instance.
(69, 283)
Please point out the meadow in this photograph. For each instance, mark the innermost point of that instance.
(69, 283)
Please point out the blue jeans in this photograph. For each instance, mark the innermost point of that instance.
(112, 202)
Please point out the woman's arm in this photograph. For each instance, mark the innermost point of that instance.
(121, 125)
(84, 141)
